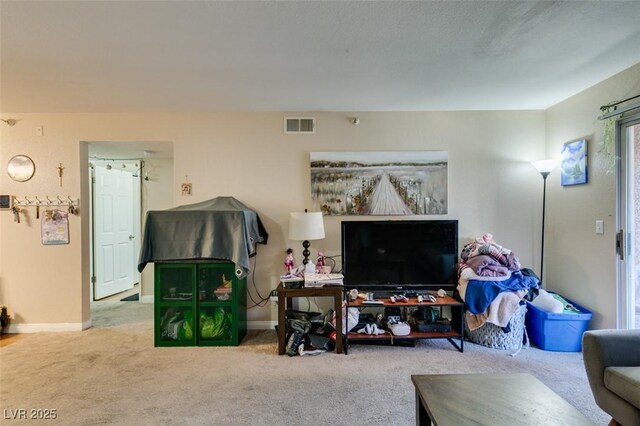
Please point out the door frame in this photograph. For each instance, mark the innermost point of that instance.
(136, 210)
(626, 228)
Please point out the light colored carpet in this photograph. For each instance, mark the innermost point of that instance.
(112, 374)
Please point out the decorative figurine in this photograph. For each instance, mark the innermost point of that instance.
(320, 262)
(225, 282)
(289, 262)
(60, 172)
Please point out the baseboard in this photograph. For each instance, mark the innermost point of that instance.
(147, 299)
(47, 327)
(58, 327)
(261, 325)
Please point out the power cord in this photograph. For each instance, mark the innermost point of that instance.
(262, 300)
(332, 258)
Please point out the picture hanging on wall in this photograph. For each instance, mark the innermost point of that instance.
(573, 168)
(379, 183)
(55, 227)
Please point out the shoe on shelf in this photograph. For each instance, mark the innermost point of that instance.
(371, 329)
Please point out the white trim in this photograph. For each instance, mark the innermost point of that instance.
(47, 327)
(261, 325)
(60, 327)
(147, 299)
(625, 221)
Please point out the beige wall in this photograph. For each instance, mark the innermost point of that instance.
(492, 186)
(156, 195)
(579, 263)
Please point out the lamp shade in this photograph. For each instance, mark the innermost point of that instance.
(306, 226)
(544, 166)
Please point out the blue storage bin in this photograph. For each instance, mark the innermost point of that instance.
(557, 332)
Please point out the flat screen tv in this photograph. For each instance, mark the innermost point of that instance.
(400, 254)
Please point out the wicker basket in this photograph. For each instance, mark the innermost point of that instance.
(492, 336)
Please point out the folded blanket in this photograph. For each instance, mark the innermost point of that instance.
(487, 266)
(480, 294)
(475, 321)
(499, 313)
(487, 246)
(462, 287)
(504, 307)
(468, 274)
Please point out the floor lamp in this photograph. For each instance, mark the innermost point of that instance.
(544, 167)
(306, 226)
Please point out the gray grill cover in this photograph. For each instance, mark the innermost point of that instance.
(221, 228)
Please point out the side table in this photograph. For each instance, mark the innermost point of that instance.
(284, 301)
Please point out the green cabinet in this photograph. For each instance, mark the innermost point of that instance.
(199, 304)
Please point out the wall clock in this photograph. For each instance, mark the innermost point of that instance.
(21, 168)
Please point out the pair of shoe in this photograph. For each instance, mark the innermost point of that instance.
(371, 329)
(303, 352)
(295, 341)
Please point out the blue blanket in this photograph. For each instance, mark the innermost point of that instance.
(480, 294)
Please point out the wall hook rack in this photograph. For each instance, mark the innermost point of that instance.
(47, 200)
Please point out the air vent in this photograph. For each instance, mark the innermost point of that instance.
(305, 125)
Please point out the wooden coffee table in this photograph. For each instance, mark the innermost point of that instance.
(490, 399)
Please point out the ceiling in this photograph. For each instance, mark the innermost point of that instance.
(146, 56)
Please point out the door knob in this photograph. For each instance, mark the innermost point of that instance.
(131, 237)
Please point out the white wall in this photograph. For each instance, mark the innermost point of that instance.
(578, 263)
(492, 186)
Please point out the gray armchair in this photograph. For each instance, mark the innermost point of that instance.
(612, 362)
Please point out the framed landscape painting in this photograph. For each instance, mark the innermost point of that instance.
(379, 183)
(573, 168)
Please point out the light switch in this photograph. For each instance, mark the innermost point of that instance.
(599, 227)
(39, 131)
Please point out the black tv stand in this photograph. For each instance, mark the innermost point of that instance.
(456, 333)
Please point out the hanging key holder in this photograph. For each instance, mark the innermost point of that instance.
(71, 205)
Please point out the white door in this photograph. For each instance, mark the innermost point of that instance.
(628, 238)
(114, 232)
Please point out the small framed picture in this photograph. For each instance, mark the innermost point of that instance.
(573, 168)
(186, 189)
(55, 227)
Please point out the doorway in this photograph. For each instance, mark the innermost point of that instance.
(152, 179)
(115, 223)
(628, 238)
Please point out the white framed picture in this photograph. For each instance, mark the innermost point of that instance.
(379, 183)
(55, 227)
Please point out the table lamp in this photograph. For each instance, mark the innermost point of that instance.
(306, 226)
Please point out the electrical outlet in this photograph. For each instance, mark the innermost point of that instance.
(273, 296)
